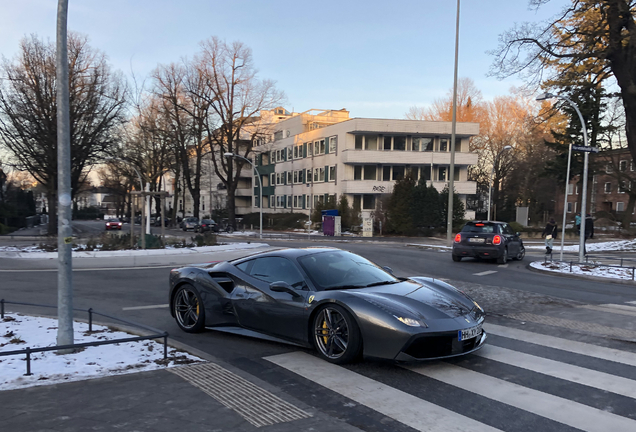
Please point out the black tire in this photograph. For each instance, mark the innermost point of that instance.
(188, 309)
(521, 254)
(504, 258)
(336, 335)
(457, 258)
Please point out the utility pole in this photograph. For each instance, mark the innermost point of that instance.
(64, 212)
(451, 169)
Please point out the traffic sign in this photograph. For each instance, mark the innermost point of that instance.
(585, 149)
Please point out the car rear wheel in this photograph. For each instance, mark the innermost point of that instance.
(504, 257)
(188, 309)
(336, 335)
(457, 258)
(521, 254)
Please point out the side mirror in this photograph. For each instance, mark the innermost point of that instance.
(388, 269)
(518, 234)
(282, 286)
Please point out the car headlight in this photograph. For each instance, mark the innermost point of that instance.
(477, 305)
(409, 321)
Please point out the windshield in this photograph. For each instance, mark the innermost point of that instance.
(340, 270)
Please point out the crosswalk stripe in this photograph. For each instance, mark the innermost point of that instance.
(564, 344)
(544, 404)
(387, 400)
(631, 302)
(485, 273)
(577, 374)
(612, 308)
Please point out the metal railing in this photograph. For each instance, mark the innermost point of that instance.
(157, 334)
(596, 263)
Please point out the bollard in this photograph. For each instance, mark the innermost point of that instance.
(28, 360)
(2, 308)
(165, 346)
(570, 266)
(633, 273)
(90, 320)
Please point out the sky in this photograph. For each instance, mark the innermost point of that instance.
(375, 58)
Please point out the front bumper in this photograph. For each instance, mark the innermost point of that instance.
(433, 347)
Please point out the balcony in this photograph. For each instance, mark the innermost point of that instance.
(386, 187)
(406, 157)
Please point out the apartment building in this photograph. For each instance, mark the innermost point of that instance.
(318, 154)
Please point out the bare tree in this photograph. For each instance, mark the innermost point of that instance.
(236, 97)
(28, 118)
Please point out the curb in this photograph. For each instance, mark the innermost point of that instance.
(146, 252)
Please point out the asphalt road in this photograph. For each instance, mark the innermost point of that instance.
(141, 295)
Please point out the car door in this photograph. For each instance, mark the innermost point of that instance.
(512, 240)
(275, 313)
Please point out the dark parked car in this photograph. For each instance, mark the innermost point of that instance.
(486, 239)
(112, 224)
(334, 301)
(189, 223)
(206, 225)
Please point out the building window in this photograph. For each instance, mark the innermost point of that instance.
(570, 189)
(623, 165)
(608, 187)
(357, 172)
(608, 168)
(333, 144)
(332, 173)
(399, 143)
(370, 172)
(368, 202)
(386, 173)
(620, 206)
(357, 201)
(422, 144)
(272, 179)
(624, 187)
(321, 174)
(308, 175)
(387, 143)
(398, 172)
(443, 145)
(456, 176)
(358, 142)
(295, 177)
(569, 207)
(441, 173)
(425, 173)
(370, 142)
(289, 177)
(289, 201)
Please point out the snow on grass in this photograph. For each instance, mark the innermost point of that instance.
(614, 246)
(589, 269)
(20, 331)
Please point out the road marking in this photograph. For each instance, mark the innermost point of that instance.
(503, 266)
(577, 374)
(631, 302)
(612, 308)
(387, 400)
(546, 405)
(564, 344)
(256, 405)
(159, 306)
(484, 273)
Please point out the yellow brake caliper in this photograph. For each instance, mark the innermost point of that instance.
(325, 332)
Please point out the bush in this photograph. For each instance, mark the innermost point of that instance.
(516, 227)
(205, 239)
(5, 229)
(88, 213)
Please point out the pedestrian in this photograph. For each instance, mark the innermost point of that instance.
(549, 233)
(589, 231)
(577, 222)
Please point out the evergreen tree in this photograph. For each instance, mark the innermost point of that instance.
(399, 213)
(458, 209)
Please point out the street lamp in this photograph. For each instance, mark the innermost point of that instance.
(260, 190)
(545, 96)
(492, 172)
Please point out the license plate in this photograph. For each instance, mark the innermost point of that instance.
(469, 333)
(476, 240)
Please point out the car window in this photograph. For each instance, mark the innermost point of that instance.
(481, 228)
(274, 269)
(505, 228)
(244, 266)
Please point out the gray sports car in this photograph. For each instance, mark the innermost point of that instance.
(334, 301)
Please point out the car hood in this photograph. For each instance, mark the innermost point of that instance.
(418, 298)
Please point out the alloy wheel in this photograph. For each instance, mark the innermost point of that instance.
(331, 333)
(187, 309)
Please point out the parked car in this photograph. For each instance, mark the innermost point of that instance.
(206, 225)
(333, 301)
(490, 240)
(166, 221)
(113, 223)
(189, 223)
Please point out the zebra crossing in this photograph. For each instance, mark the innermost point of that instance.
(520, 381)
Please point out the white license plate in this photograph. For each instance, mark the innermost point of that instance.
(469, 333)
(476, 240)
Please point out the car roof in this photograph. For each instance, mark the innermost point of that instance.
(484, 222)
(289, 252)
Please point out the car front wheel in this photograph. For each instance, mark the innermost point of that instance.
(188, 309)
(336, 335)
(521, 254)
(457, 258)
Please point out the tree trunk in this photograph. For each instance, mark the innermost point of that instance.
(231, 205)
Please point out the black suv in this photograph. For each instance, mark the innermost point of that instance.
(487, 239)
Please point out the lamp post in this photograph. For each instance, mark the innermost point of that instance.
(545, 96)
(451, 168)
(492, 172)
(260, 190)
